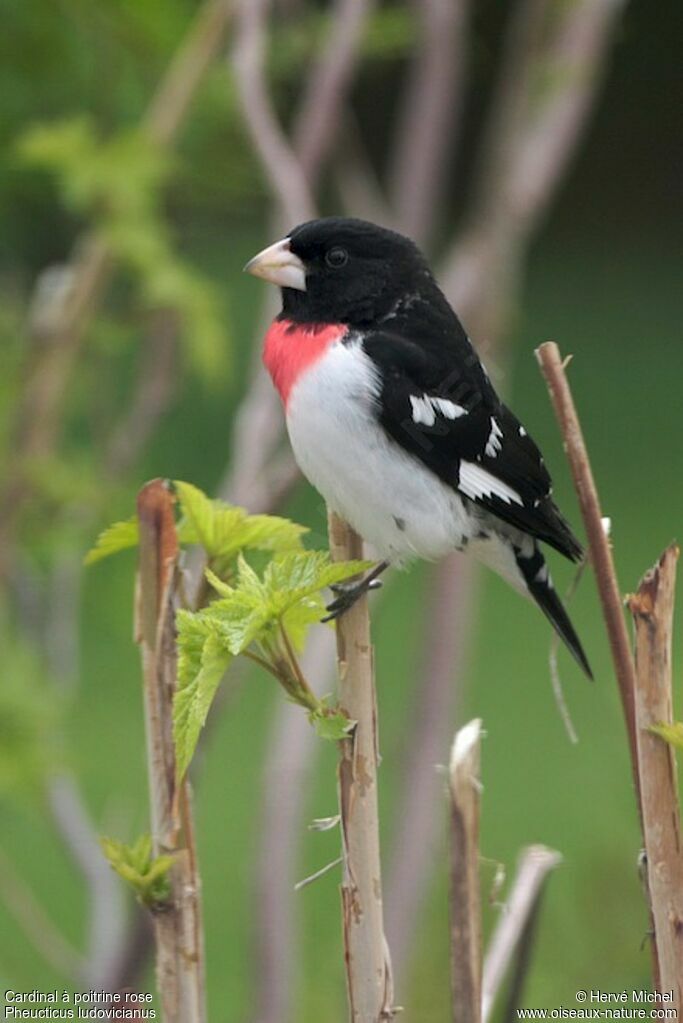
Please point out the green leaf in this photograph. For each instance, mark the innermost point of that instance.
(223, 529)
(146, 874)
(331, 724)
(118, 537)
(673, 733)
(269, 533)
(294, 576)
(202, 661)
(241, 619)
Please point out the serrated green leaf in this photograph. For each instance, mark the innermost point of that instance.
(673, 733)
(331, 725)
(298, 619)
(294, 576)
(224, 529)
(200, 512)
(241, 619)
(268, 533)
(196, 689)
(117, 537)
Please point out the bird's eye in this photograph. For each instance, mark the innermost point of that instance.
(336, 257)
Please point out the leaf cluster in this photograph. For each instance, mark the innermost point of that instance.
(146, 874)
(262, 615)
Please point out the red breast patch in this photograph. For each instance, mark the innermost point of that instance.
(291, 348)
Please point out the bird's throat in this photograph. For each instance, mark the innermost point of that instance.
(290, 349)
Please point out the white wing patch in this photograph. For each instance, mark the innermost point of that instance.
(477, 482)
(493, 444)
(426, 407)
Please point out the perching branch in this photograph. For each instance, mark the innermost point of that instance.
(465, 908)
(368, 966)
(177, 926)
(652, 607)
(535, 863)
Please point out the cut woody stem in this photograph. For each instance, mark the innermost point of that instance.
(177, 926)
(366, 954)
(464, 790)
(652, 609)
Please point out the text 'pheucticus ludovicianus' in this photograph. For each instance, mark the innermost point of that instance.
(393, 418)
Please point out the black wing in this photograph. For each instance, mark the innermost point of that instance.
(438, 404)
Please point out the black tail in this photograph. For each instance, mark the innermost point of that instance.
(540, 586)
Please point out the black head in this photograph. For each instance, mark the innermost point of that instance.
(342, 270)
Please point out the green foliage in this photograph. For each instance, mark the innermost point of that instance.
(222, 529)
(330, 724)
(147, 875)
(117, 537)
(202, 661)
(266, 616)
(673, 733)
(287, 595)
(117, 183)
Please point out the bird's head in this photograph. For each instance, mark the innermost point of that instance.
(341, 270)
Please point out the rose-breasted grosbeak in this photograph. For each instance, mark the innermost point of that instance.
(393, 418)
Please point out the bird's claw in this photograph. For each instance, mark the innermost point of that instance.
(347, 595)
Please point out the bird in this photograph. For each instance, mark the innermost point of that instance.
(393, 418)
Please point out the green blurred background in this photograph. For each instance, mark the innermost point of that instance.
(603, 279)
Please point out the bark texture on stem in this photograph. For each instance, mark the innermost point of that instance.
(652, 609)
(535, 863)
(465, 901)
(552, 367)
(366, 956)
(177, 927)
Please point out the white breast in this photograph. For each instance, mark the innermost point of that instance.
(396, 504)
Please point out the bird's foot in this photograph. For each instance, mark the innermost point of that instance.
(346, 594)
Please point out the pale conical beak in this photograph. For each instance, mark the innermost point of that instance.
(279, 265)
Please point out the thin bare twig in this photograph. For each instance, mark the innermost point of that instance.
(652, 608)
(535, 863)
(178, 929)
(465, 908)
(430, 117)
(552, 367)
(368, 967)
